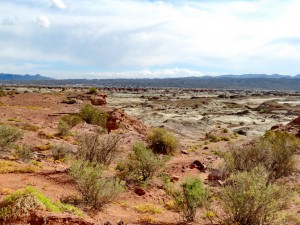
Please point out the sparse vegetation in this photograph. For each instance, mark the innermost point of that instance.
(212, 137)
(92, 90)
(275, 151)
(97, 149)
(72, 120)
(93, 115)
(23, 153)
(26, 201)
(14, 167)
(60, 152)
(140, 166)
(149, 208)
(8, 135)
(27, 126)
(161, 141)
(190, 197)
(249, 200)
(96, 189)
(66, 123)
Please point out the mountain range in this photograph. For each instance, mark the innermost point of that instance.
(6, 76)
(241, 82)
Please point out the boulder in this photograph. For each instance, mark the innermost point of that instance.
(198, 165)
(99, 99)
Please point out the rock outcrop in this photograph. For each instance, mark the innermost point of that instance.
(99, 99)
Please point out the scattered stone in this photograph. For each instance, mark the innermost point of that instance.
(184, 152)
(242, 132)
(121, 222)
(139, 191)
(107, 223)
(197, 164)
(174, 179)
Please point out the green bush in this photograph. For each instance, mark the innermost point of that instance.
(140, 166)
(66, 123)
(92, 90)
(63, 128)
(190, 197)
(23, 202)
(275, 151)
(160, 141)
(97, 149)
(93, 115)
(249, 200)
(96, 189)
(8, 135)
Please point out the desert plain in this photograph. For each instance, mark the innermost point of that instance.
(206, 123)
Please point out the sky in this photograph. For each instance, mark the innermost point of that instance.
(149, 38)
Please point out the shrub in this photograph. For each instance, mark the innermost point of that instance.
(94, 148)
(23, 153)
(8, 135)
(71, 120)
(26, 201)
(275, 151)
(160, 141)
(63, 128)
(140, 166)
(96, 189)
(60, 152)
(248, 200)
(2, 92)
(190, 197)
(92, 115)
(92, 90)
(212, 137)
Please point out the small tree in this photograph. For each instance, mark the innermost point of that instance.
(140, 166)
(190, 197)
(8, 135)
(249, 200)
(96, 189)
(162, 142)
(101, 150)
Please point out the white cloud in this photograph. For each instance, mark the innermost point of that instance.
(58, 4)
(217, 36)
(43, 21)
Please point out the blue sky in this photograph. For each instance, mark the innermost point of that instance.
(143, 38)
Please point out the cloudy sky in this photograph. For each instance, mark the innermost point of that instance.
(149, 38)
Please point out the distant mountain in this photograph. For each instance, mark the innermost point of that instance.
(5, 76)
(240, 82)
(245, 76)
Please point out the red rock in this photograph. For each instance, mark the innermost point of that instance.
(99, 99)
(174, 179)
(139, 191)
